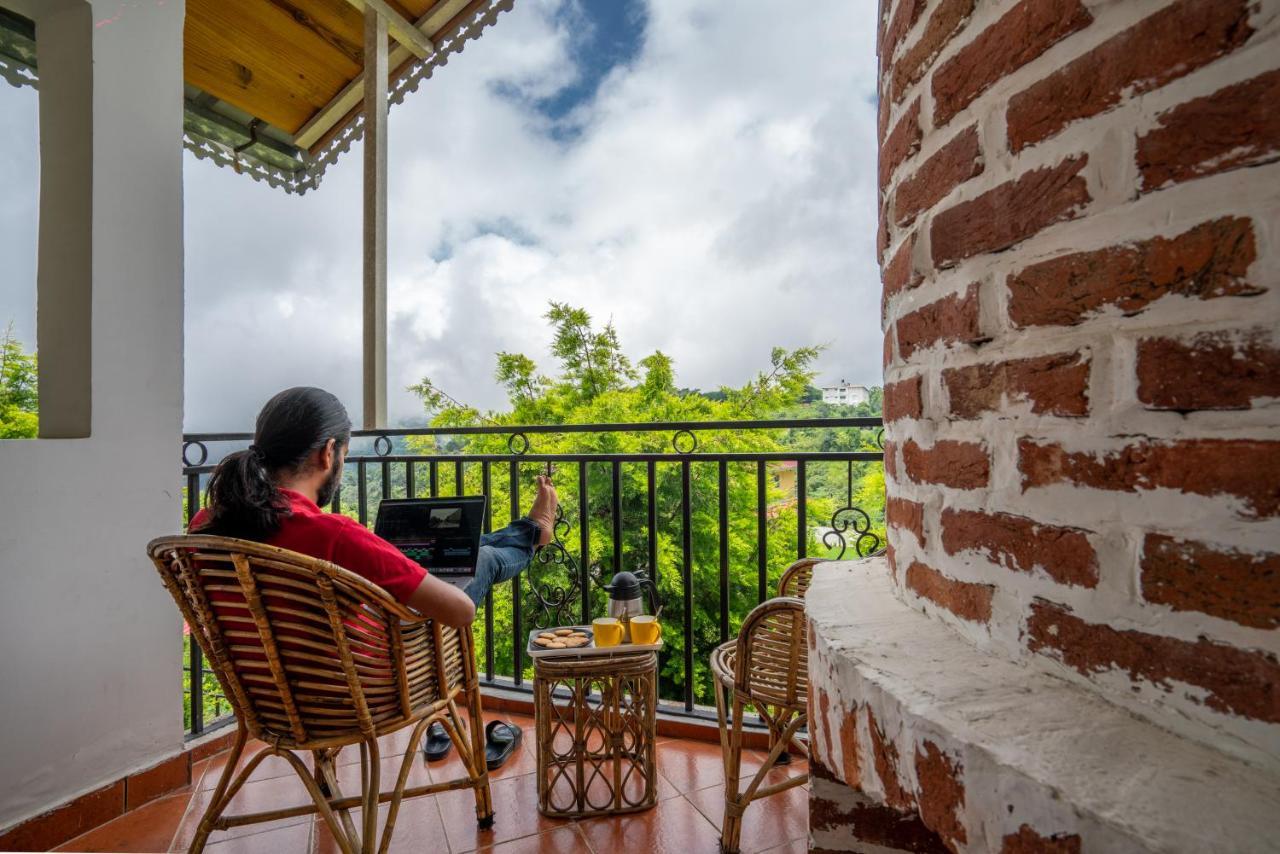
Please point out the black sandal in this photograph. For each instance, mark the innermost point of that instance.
(500, 741)
(437, 744)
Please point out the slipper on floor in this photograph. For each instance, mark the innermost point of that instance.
(437, 744)
(500, 741)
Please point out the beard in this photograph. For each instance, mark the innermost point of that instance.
(329, 488)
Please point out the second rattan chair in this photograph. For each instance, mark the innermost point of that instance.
(313, 658)
(766, 668)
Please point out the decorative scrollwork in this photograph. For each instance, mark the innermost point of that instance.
(552, 601)
(880, 438)
(692, 443)
(520, 441)
(851, 522)
(204, 454)
(379, 448)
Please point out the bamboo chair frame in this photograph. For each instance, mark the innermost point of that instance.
(767, 668)
(797, 577)
(315, 658)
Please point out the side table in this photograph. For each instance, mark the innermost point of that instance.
(595, 719)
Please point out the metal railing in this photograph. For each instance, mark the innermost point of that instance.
(693, 517)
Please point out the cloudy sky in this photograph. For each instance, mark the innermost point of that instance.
(700, 172)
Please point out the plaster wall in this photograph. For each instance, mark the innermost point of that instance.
(91, 641)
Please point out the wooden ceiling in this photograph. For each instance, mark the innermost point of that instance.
(296, 64)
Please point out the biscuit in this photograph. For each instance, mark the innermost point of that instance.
(543, 641)
(563, 632)
(576, 635)
(575, 642)
(555, 644)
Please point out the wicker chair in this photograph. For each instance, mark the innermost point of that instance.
(765, 668)
(795, 579)
(315, 658)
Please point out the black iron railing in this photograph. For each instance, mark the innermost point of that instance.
(711, 519)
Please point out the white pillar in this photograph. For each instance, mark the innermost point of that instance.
(375, 219)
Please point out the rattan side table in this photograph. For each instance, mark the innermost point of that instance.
(595, 720)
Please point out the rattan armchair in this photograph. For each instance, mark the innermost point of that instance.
(796, 578)
(765, 668)
(313, 658)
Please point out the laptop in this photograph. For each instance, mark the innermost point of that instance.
(440, 534)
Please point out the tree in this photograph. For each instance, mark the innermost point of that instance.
(597, 383)
(19, 400)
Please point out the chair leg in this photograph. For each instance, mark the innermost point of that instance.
(484, 798)
(217, 803)
(734, 804)
(369, 756)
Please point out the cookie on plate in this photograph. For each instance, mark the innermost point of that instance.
(575, 642)
(563, 632)
(555, 644)
(541, 641)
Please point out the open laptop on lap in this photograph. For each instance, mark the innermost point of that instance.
(440, 534)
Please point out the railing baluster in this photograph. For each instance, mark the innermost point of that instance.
(802, 511)
(651, 472)
(457, 477)
(193, 496)
(518, 641)
(486, 487)
(435, 478)
(762, 532)
(362, 495)
(616, 481)
(386, 481)
(724, 551)
(584, 540)
(410, 485)
(687, 569)
(195, 663)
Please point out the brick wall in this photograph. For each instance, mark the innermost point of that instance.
(1080, 247)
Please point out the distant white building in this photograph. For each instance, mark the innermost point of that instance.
(845, 394)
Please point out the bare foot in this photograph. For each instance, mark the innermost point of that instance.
(543, 511)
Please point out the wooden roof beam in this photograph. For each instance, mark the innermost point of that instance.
(400, 29)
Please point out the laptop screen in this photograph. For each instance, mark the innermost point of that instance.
(440, 534)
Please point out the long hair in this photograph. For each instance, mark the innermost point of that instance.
(243, 498)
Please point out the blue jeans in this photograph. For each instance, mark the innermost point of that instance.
(503, 555)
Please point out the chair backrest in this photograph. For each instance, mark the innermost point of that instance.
(772, 663)
(308, 654)
(796, 578)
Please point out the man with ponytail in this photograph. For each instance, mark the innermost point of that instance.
(272, 492)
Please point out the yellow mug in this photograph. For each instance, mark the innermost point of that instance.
(645, 630)
(607, 631)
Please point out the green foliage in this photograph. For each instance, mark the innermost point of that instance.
(597, 383)
(19, 400)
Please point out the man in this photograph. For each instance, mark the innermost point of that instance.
(272, 492)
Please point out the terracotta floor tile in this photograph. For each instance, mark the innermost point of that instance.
(254, 796)
(562, 840)
(694, 765)
(269, 768)
(674, 826)
(294, 839)
(515, 801)
(150, 827)
(767, 823)
(418, 828)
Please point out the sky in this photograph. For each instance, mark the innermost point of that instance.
(700, 173)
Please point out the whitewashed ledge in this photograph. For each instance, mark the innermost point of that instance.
(1015, 754)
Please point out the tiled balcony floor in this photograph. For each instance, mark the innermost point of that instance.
(686, 819)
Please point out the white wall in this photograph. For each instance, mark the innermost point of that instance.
(89, 641)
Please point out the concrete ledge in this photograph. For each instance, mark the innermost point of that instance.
(994, 755)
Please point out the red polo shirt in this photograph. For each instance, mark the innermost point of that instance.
(337, 539)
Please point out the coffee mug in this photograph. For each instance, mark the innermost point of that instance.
(607, 631)
(645, 630)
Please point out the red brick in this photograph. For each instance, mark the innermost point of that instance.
(900, 144)
(1209, 261)
(1164, 46)
(1010, 213)
(940, 794)
(902, 399)
(907, 515)
(1022, 545)
(1243, 469)
(891, 458)
(904, 18)
(882, 230)
(818, 729)
(888, 347)
(900, 273)
(1213, 370)
(849, 748)
(1228, 680)
(951, 320)
(882, 116)
(1052, 385)
(943, 24)
(893, 561)
(962, 465)
(1220, 581)
(966, 600)
(949, 167)
(1026, 31)
(1234, 127)
(885, 754)
(1027, 841)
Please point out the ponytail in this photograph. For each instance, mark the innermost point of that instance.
(243, 499)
